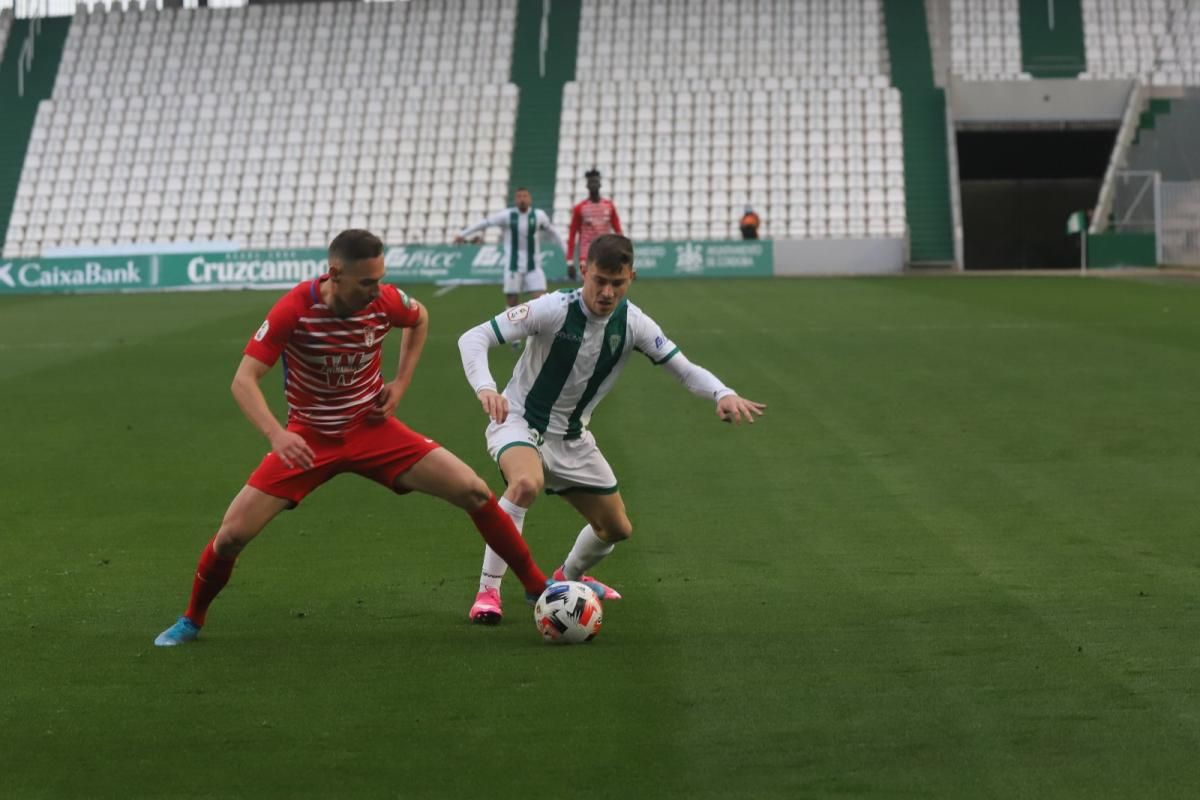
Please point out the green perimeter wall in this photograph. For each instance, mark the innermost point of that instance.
(1122, 250)
(406, 264)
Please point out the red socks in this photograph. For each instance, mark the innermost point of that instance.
(212, 573)
(502, 536)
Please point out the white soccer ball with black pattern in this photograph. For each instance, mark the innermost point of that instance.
(568, 612)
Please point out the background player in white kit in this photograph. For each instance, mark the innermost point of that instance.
(577, 343)
(524, 227)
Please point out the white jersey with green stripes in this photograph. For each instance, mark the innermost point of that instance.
(572, 358)
(522, 236)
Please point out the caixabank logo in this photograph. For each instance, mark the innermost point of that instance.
(76, 275)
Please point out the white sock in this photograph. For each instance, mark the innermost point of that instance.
(589, 550)
(493, 565)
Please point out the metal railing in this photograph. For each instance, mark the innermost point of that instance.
(1129, 126)
(955, 187)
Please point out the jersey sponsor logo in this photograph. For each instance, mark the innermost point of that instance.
(570, 337)
(262, 331)
(370, 337)
(517, 313)
(339, 370)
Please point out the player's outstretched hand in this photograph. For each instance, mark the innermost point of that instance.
(459, 240)
(733, 409)
(386, 402)
(495, 405)
(293, 450)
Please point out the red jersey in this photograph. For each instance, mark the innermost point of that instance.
(589, 220)
(330, 363)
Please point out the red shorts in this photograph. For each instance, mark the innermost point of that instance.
(381, 451)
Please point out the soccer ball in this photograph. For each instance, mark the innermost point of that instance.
(568, 612)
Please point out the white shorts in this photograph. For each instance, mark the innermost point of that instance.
(524, 281)
(568, 464)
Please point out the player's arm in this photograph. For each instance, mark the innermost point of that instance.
(616, 221)
(650, 340)
(473, 348)
(552, 232)
(573, 232)
(412, 342)
(259, 355)
(513, 325)
(289, 446)
(702, 383)
(486, 222)
(415, 331)
(411, 318)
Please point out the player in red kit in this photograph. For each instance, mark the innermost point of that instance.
(329, 332)
(593, 217)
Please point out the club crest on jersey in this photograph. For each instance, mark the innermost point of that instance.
(262, 331)
(370, 337)
(614, 342)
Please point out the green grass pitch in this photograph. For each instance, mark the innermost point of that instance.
(959, 557)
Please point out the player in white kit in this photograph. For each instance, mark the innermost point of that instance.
(524, 226)
(576, 344)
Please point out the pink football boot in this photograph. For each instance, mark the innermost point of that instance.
(602, 591)
(486, 610)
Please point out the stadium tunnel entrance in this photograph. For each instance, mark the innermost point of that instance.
(1018, 186)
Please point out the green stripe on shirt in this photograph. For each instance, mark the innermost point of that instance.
(666, 358)
(556, 369)
(612, 345)
(514, 219)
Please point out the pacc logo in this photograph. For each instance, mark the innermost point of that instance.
(491, 256)
(420, 259)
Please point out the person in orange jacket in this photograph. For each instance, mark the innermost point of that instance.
(749, 224)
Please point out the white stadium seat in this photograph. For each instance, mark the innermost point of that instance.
(201, 128)
(692, 148)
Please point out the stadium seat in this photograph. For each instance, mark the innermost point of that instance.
(1152, 40)
(229, 133)
(693, 146)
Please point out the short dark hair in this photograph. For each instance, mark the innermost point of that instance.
(355, 244)
(592, 173)
(521, 189)
(611, 252)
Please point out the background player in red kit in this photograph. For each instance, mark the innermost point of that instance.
(593, 217)
(329, 332)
